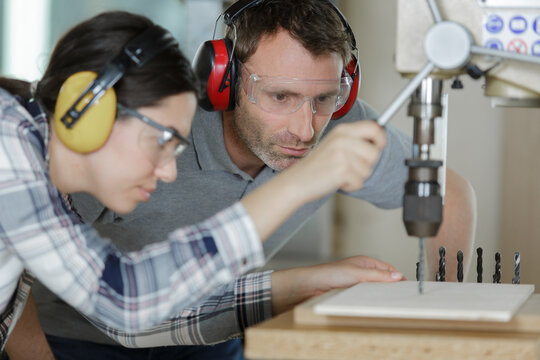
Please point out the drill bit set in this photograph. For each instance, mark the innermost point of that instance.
(441, 273)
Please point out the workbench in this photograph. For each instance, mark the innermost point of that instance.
(302, 334)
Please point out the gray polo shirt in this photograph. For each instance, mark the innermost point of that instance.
(207, 182)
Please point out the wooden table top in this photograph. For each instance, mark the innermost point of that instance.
(301, 334)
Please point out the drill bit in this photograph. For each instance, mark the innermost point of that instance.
(497, 275)
(517, 260)
(420, 267)
(460, 266)
(442, 264)
(479, 268)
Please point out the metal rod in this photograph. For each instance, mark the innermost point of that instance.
(404, 94)
(435, 11)
(479, 50)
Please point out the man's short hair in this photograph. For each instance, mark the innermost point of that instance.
(314, 23)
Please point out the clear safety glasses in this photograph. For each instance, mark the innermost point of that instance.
(161, 144)
(281, 95)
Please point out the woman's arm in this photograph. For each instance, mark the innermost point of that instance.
(137, 290)
(342, 161)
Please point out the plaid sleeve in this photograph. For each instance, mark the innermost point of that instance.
(130, 291)
(15, 307)
(222, 316)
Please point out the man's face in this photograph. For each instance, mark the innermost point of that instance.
(279, 140)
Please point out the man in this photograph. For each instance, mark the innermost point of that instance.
(236, 151)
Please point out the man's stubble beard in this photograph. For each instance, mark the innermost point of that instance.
(250, 131)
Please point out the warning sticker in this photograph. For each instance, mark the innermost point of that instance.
(535, 48)
(510, 30)
(494, 24)
(518, 46)
(494, 44)
(536, 25)
(518, 24)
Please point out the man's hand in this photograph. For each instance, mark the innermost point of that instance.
(293, 286)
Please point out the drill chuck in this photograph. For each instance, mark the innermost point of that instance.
(422, 202)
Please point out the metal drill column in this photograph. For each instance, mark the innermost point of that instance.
(422, 203)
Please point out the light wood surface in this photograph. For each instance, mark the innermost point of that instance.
(302, 334)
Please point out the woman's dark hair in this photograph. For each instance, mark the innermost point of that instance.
(94, 42)
(16, 87)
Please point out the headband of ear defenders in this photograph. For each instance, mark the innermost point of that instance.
(135, 53)
(85, 109)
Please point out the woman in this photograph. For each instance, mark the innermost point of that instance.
(42, 160)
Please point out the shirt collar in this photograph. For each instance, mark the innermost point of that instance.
(38, 118)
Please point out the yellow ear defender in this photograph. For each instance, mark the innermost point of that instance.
(85, 110)
(92, 129)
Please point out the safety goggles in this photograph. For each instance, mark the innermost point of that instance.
(161, 144)
(282, 95)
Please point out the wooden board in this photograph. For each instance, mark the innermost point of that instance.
(440, 301)
(526, 320)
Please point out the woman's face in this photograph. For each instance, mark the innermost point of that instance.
(126, 170)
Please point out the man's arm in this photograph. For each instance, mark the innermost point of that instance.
(27, 341)
(457, 229)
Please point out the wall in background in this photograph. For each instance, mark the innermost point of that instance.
(57, 17)
(25, 37)
(521, 194)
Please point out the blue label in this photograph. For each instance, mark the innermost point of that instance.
(536, 25)
(494, 44)
(535, 48)
(494, 24)
(518, 24)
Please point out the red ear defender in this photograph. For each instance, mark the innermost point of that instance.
(353, 69)
(217, 72)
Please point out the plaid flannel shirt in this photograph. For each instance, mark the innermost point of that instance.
(222, 316)
(128, 291)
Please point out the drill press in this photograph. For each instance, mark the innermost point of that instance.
(449, 46)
